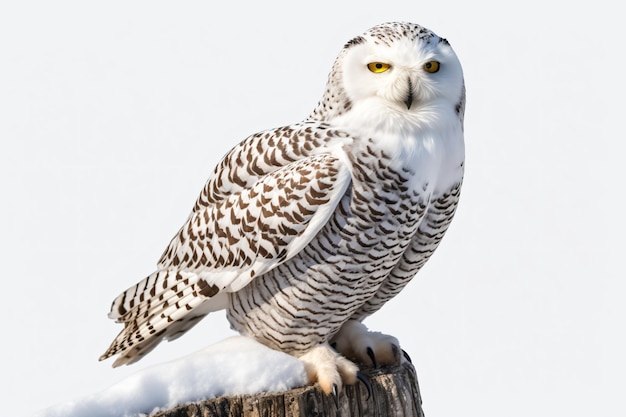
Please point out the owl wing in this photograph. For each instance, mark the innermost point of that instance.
(251, 231)
(223, 246)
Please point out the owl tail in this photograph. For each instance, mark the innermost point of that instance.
(162, 306)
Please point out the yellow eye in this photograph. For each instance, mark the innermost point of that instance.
(378, 67)
(431, 66)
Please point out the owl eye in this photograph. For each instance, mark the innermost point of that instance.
(378, 67)
(431, 66)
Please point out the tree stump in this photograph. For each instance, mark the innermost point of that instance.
(395, 393)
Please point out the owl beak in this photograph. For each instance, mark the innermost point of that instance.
(409, 98)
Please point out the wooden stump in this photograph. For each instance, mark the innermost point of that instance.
(395, 393)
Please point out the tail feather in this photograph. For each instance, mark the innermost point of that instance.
(165, 304)
(147, 291)
(164, 314)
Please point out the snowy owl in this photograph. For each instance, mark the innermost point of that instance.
(303, 231)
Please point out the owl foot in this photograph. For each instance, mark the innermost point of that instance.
(355, 342)
(328, 368)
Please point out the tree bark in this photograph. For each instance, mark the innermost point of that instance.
(395, 393)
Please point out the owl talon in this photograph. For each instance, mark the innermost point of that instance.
(365, 381)
(370, 353)
(335, 396)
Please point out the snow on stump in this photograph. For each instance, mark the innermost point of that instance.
(395, 393)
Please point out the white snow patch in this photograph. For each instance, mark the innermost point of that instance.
(234, 366)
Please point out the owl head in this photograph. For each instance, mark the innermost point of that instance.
(399, 69)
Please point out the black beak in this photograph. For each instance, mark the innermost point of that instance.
(409, 97)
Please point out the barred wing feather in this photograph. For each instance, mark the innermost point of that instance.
(223, 246)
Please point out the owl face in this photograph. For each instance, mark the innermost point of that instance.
(401, 71)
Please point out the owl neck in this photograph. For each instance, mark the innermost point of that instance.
(427, 140)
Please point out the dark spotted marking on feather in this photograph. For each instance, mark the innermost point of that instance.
(460, 107)
(355, 41)
(206, 289)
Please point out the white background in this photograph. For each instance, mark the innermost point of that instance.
(113, 114)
